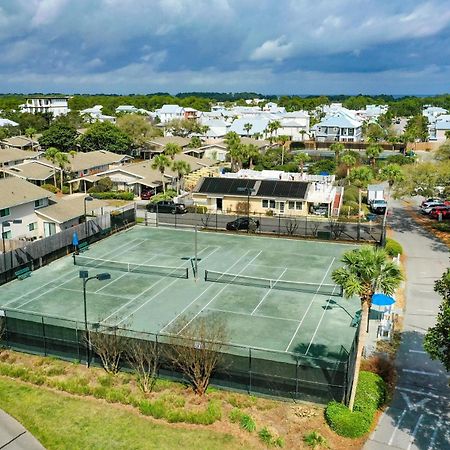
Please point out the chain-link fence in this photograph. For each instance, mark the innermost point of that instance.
(253, 370)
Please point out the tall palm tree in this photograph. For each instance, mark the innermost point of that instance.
(392, 173)
(361, 176)
(272, 127)
(349, 161)
(283, 140)
(373, 151)
(234, 148)
(247, 127)
(251, 151)
(181, 168)
(62, 160)
(50, 154)
(337, 148)
(161, 162)
(301, 159)
(171, 149)
(366, 270)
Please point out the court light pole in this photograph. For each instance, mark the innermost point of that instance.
(7, 224)
(84, 275)
(248, 191)
(88, 198)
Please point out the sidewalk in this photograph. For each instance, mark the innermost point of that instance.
(13, 436)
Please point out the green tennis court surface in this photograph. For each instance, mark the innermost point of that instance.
(266, 316)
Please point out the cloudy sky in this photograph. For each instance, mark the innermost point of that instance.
(267, 46)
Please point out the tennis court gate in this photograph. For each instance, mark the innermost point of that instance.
(255, 371)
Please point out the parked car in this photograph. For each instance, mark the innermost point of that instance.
(167, 206)
(319, 210)
(378, 206)
(147, 195)
(427, 207)
(432, 199)
(444, 211)
(243, 223)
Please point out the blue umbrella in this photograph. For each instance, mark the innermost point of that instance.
(382, 300)
(75, 239)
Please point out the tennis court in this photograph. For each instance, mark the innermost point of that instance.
(251, 284)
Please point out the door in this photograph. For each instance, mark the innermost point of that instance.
(219, 204)
(281, 207)
(49, 229)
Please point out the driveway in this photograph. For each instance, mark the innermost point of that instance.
(419, 416)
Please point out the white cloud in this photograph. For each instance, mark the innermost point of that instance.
(276, 50)
(47, 11)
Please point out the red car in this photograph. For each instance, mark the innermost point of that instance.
(443, 210)
(147, 195)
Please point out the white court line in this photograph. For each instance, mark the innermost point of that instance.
(268, 292)
(218, 293)
(310, 304)
(417, 351)
(413, 435)
(422, 372)
(162, 290)
(61, 276)
(126, 273)
(318, 325)
(391, 440)
(249, 315)
(435, 432)
(198, 296)
(89, 292)
(426, 394)
(71, 278)
(147, 289)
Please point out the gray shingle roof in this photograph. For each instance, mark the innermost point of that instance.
(16, 191)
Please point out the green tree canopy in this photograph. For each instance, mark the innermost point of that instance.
(161, 163)
(361, 176)
(373, 151)
(138, 128)
(105, 136)
(392, 173)
(59, 135)
(183, 127)
(437, 338)
(171, 149)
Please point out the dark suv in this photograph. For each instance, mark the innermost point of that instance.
(243, 223)
(167, 206)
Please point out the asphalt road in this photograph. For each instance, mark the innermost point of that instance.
(419, 416)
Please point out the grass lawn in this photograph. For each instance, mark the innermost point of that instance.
(60, 421)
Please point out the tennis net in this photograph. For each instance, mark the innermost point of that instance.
(268, 283)
(87, 261)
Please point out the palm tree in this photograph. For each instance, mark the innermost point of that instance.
(30, 132)
(161, 162)
(349, 161)
(392, 173)
(234, 148)
(50, 154)
(366, 270)
(373, 151)
(301, 159)
(247, 127)
(62, 160)
(251, 151)
(171, 149)
(361, 176)
(181, 168)
(272, 127)
(337, 148)
(283, 140)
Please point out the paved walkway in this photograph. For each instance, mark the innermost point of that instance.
(419, 416)
(13, 436)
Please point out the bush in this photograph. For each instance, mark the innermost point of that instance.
(351, 194)
(315, 439)
(168, 195)
(103, 185)
(50, 187)
(442, 226)
(245, 421)
(113, 195)
(393, 248)
(370, 395)
(384, 367)
(267, 437)
(65, 190)
(198, 209)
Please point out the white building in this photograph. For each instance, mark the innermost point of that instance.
(57, 105)
(437, 122)
(19, 201)
(338, 127)
(441, 127)
(170, 112)
(95, 114)
(295, 125)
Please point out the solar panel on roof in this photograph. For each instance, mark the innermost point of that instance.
(285, 189)
(224, 186)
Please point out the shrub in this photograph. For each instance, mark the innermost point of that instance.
(351, 194)
(443, 226)
(269, 212)
(384, 367)
(113, 195)
(269, 439)
(393, 248)
(199, 209)
(168, 195)
(370, 395)
(65, 190)
(103, 185)
(315, 439)
(50, 187)
(245, 421)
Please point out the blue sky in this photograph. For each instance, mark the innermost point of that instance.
(267, 46)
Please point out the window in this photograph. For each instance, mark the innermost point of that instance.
(32, 226)
(291, 205)
(4, 212)
(299, 205)
(39, 203)
(268, 203)
(7, 234)
(49, 229)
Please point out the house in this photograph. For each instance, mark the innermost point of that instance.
(95, 114)
(20, 142)
(33, 171)
(442, 128)
(248, 126)
(8, 123)
(216, 151)
(13, 156)
(156, 145)
(68, 212)
(295, 125)
(216, 128)
(191, 114)
(56, 105)
(170, 112)
(340, 127)
(129, 109)
(263, 195)
(19, 201)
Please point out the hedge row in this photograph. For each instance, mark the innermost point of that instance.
(370, 395)
(393, 248)
(113, 195)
